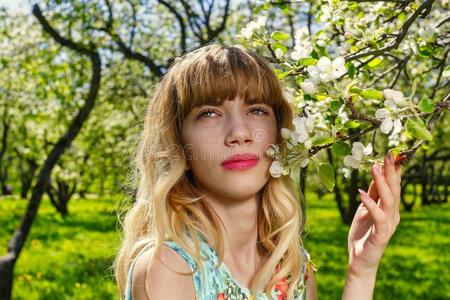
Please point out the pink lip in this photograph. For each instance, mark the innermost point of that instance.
(240, 161)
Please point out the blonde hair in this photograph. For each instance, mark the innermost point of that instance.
(168, 205)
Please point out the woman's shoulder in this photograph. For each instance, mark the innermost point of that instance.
(162, 274)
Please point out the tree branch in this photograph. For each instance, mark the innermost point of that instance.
(423, 10)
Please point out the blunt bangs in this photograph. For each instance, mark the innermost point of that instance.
(215, 73)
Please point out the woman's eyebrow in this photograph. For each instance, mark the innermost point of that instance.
(246, 102)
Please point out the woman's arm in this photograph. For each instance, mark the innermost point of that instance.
(311, 288)
(374, 224)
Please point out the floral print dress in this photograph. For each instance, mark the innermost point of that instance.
(214, 283)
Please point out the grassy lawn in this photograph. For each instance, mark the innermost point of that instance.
(71, 258)
(64, 259)
(414, 266)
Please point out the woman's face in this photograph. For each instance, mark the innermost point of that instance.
(212, 134)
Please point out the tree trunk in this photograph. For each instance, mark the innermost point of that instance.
(26, 177)
(17, 242)
(7, 263)
(4, 144)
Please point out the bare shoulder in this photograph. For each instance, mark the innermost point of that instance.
(160, 278)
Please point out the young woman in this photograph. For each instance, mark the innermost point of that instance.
(209, 222)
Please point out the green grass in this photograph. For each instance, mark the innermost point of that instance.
(71, 258)
(64, 259)
(415, 264)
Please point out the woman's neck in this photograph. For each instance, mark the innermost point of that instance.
(240, 219)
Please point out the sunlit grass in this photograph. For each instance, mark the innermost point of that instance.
(71, 258)
(414, 266)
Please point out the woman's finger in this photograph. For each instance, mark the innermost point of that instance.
(373, 193)
(390, 173)
(383, 189)
(376, 212)
(398, 170)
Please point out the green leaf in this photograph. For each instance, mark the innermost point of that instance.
(295, 171)
(322, 51)
(426, 105)
(326, 174)
(308, 61)
(355, 89)
(280, 74)
(397, 150)
(322, 140)
(335, 106)
(321, 96)
(427, 50)
(372, 94)
(279, 36)
(417, 128)
(341, 148)
(374, 62)
(299, 79)
(446, 72)
(281, 46)
(352, 124)
(414, 88)
(351, 69)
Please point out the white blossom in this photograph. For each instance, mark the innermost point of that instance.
(358, 153)
(326, 13)
(308, 144)
(343, 115)
(303, 46)
(276, 169)
(302, 50)
(305, 124)
(389, 121)
(247, 31)
(279, 53)
(308, 86)
(393, 95)
(285, 133)
(321, 42)
(273, 151)
(304, 162)
(301, 34)
(327, 70)
(347, 172)
(261, 21)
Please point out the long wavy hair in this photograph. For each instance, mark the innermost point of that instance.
(168, 206)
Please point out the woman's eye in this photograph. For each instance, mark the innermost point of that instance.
(204, 113)
(207, 113)
(261, 110)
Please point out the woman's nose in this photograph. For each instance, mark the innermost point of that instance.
(238, 130)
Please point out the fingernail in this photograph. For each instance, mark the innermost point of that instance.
(362, 192)
(391, 158)
(377, 168)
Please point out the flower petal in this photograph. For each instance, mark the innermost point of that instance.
(382, 113)
(276, 169)
(386, 125)
(324, 64)
(358, 150)
(351, 161)
(308, 86)
(368, 149)
(397, 126)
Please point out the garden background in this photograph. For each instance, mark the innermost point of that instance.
(75, 78)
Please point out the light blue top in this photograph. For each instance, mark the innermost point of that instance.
(214, 283)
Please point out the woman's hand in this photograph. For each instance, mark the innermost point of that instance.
(375, 220)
